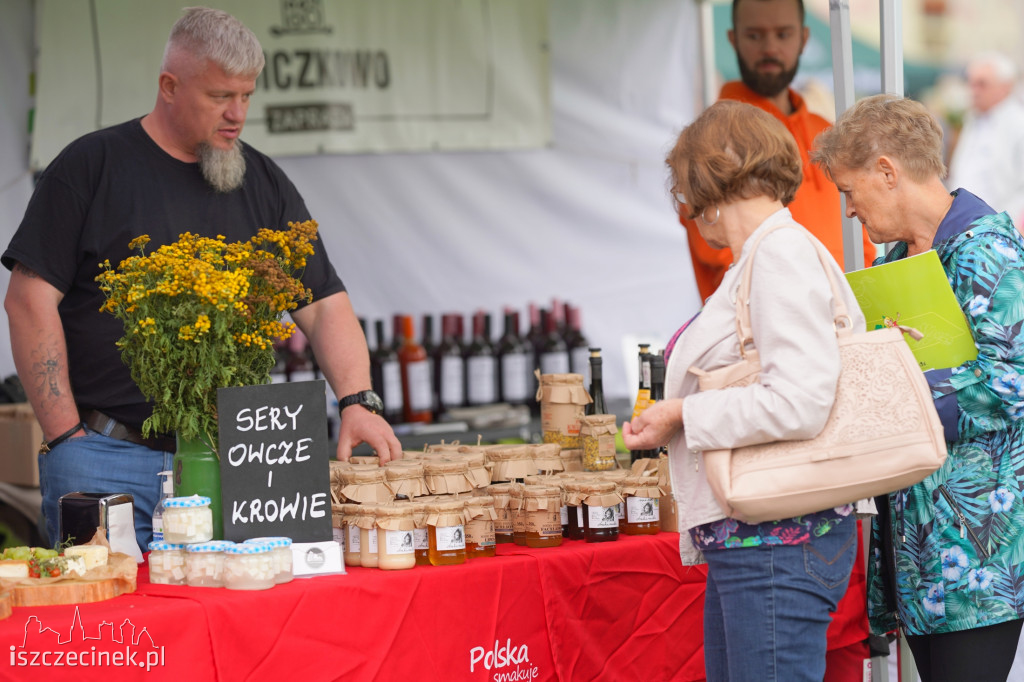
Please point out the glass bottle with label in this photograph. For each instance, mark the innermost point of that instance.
(514, 364)
(554, 355)
(656, 363)
(596, 383)
(427, 341)
(446, 532)
(449, 367)
(579, 347)
(417, 394)
(386, 376)
(481, 365)
(166, 491)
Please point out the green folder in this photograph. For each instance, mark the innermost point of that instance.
(914, 292)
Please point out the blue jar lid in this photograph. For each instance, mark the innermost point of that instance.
(211, 546)
(248, 548)
(158, 546)
(184, 502)
(273, 541)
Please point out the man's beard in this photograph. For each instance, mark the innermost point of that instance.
(766, 84)
(223, 169)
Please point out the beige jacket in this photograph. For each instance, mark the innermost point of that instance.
(792, 323)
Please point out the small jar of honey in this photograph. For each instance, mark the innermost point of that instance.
(446, 531)
(503, 530)
(541, 513)
(600, 511)
(642, 498)
(395, 530)
(480, 515)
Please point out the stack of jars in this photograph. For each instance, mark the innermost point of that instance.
(188, 555)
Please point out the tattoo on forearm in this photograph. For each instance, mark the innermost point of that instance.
(46, 370)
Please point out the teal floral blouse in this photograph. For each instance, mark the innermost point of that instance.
(947, 554)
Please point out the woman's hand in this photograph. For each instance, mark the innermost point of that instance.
(655, 426)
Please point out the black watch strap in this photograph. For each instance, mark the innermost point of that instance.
(46, 446)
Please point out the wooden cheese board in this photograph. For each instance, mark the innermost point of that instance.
(118, 577)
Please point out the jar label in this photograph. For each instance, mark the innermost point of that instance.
(565, 515)
(503, 522)
(620, 511)
(602, 517)
(544, 522)
(371, 542)
(579, 516)
(450, 538)
(353, 540)
(421, 539)
(642, 510)
(339, 535)
(480, 532)
(398, 542)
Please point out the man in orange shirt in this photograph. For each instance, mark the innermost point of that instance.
(769, 36)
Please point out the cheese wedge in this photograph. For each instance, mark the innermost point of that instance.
(94, 555)
(13, 569)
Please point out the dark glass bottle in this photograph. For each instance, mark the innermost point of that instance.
(596, 383)
(553, 354)
(427, 341)
(657, 392)
(396, 331)
(481, 365)
(386, 376)
(416, 388)
(579, 347)
(513, 364)
(449, 367)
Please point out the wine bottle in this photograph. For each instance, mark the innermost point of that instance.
(449, 368)
(554, 356)
(416, 391)
(396, 331)
(596, 383)
(579, 348)
(514, 377)
(657, 392)
(386, 376)
(481, 365)
(427, 341)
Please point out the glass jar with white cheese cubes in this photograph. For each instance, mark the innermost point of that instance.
(187, 519)
(248, 566)
(167, 563)
(280, 556)
(204, 563)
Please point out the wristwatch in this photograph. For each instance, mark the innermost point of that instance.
(368, 399)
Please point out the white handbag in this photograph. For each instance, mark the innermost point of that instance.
(883, 432)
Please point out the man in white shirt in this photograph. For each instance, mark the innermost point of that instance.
(989, 156)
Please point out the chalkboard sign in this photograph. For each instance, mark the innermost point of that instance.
(274, 461)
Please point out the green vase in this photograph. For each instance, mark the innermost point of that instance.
(197, 472)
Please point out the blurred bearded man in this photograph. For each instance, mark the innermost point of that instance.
(768, 37)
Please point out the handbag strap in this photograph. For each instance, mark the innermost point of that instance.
(841, 316)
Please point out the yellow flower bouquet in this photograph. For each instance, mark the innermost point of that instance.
(200, 314)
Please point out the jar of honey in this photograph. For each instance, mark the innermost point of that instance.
(396, 549)
(515, 507)
(541, 513)
(420, 539)
(405, 479)
(642, 500)
(547, 457)
(351, 548)
(366, 484)
(510, 463)
(476, 458)
(480, 515)
(446, 531)
(572, 499)
(447, 475)
(365, 519)
(600, 511)
(501, 493)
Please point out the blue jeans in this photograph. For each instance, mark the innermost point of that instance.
(766, 609)
(95, 463)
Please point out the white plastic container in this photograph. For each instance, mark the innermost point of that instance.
(204, 563)
(280, 556)
(167, 563)
(187, 520)
(248, 566)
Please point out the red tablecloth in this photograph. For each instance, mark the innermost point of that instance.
(610, 611)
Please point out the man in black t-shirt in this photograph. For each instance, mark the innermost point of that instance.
(180, 168)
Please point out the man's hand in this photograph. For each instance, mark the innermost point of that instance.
(655, 426)
(359, 425)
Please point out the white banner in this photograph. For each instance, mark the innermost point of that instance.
(342, 76)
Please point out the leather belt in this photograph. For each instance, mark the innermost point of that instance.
(97, 421)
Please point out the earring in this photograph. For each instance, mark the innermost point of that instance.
(703, 217)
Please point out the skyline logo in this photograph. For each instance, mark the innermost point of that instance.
(43, 646)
